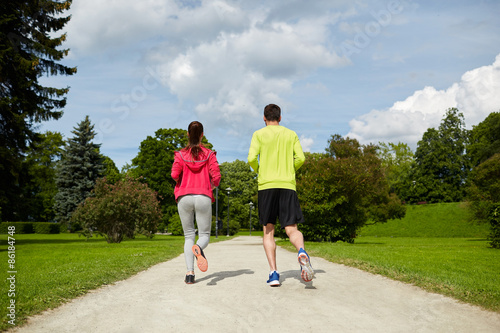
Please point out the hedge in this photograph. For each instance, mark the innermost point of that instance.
(31, 227)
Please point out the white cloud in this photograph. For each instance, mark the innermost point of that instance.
(476, 96)
(306, 143)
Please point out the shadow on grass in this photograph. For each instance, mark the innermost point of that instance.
(368, 243)
(76, 239)
(219, 276)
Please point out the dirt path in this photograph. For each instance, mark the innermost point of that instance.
(232, 296)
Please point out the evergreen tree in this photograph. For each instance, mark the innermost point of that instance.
(28, 50)
(80, 167)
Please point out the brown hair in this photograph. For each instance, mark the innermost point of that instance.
(195, 130)
(272, 112)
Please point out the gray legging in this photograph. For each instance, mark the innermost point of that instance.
(189, 206)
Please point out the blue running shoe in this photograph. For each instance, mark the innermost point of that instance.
(274, 279)
(306, 270)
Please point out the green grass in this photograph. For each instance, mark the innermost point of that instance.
(432, 220)
(433, 247)
(52, 269)
(465, 269)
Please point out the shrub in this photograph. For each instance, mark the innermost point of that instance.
(21, 227)
(46, 228)
(119, 210)
(494, 218)
(234, 227)
(175, 225)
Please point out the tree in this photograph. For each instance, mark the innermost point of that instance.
(483, 196)
(111, 172)
(119, 210)
(28, 50)
(342, 190)
(484, 139)
(396, 160)
(80, 167)
(154, 164)
(441, 165)
(242, 180)
(38, 178)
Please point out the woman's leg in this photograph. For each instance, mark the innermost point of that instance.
(185, 207)
(203, 209)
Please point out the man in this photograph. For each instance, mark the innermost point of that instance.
(276, 154)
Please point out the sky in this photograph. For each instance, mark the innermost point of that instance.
(376, 71)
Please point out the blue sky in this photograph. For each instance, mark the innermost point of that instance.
(371, 70)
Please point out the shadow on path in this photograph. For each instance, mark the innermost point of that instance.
(295, 274)
(219, 276)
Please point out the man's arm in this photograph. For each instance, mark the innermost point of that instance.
(253, 153)
(298, 154)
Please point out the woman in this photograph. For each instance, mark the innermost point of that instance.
(196, 173)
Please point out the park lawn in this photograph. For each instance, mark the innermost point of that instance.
(52, 269)
(466, 269)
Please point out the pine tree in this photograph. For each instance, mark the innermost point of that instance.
(29, 49)
(80, 167)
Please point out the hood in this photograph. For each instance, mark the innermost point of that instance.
(195, 165)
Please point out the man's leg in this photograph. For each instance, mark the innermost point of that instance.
(270, 246)
(295, 236)
(297, 240)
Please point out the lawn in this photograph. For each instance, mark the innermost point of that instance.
(463, 268)
(52, 269)
(433, 247)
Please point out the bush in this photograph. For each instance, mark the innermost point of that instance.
(494, 218)
(234, 227)
(21, 227)
(119, 210)
(175, 225)
(31, 227)
(47, 228)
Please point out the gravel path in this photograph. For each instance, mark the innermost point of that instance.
(232, 296)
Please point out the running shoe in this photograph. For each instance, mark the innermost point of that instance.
(306, 270)
(189, 279)
(274, 279)
(200, 258)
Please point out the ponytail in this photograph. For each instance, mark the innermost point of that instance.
(195, 130)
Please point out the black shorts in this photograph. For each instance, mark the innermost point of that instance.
(279, 203)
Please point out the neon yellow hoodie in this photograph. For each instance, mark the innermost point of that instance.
(275, 154)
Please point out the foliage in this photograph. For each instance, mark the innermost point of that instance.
(494, 219)
(441, 165)
(31, 227)
(484, 139)
(119, 210)
(38, 179)
(342, 190)
(483, 189)
(111, 172)
(239, 177)
(154, 164)
(81, 165)
(175, 225)
(396, 160)
(28, 51)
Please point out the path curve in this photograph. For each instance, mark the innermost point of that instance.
(232, 296)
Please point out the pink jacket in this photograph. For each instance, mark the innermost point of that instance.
(195, 177)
